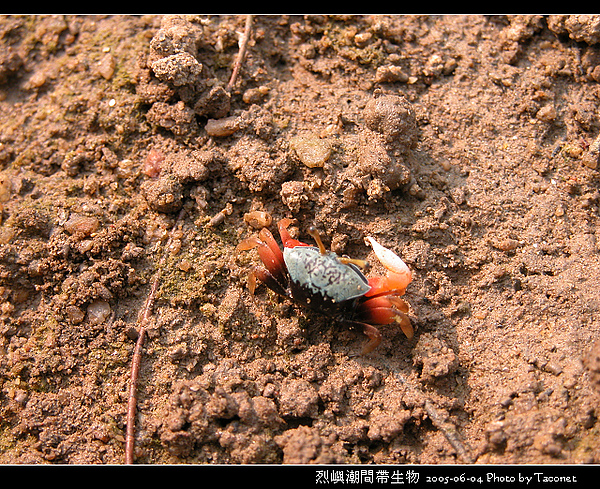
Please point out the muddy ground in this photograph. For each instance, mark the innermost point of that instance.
(467, 144)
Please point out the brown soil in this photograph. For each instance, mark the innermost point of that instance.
(466, 144)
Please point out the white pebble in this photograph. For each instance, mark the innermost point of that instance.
(98, 311)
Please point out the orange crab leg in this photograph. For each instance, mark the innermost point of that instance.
(378, 315)
(374, 336)
(384, 301)
(268, 238)
(382, 315)
(369, 331)
(398, 303)
(386, 310)
(286, 239)
(405, 325)
(273, 261)
(266, 278)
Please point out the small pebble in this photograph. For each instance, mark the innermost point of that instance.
(572, 150)
(185, 265)
(82, 225)
(222, 127)
(390, 74)
(21, 396)
(553, 368)
(292, 195)
(215, 220)
(153, 163)
(74, 314)
(37, 80)
(547, 113)
(255, 95)
(363, 38)
(592, 157)
(98, 311)
(220, 216)
(175, 247)
(5, 188)
(311, 150)
(258, 219)
(507, 244)
(85, 245)
(106, 66)
(179, 69)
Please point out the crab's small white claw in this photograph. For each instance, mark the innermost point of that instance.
(388, 258)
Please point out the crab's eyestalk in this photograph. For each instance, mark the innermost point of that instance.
(362, 264)
(317, 237)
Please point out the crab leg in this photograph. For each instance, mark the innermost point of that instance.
(268, 238)
(266, 278)
(386, 310)
(369, 331)
(374, 336)
(273, 261)
(383, 315)
(384, 301)
(286, 239)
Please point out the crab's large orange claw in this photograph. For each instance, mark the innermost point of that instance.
(398, 275)
(390, 283)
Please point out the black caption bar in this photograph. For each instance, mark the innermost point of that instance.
(324, 476)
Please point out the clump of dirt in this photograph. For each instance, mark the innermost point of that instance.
(466, 144)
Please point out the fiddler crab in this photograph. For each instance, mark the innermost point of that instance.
(333, 285)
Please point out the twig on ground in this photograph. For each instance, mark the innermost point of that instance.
(144, 318)
(449, 431)
(439, 421)
(241, 53)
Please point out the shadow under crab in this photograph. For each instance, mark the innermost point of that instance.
(325, 282)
